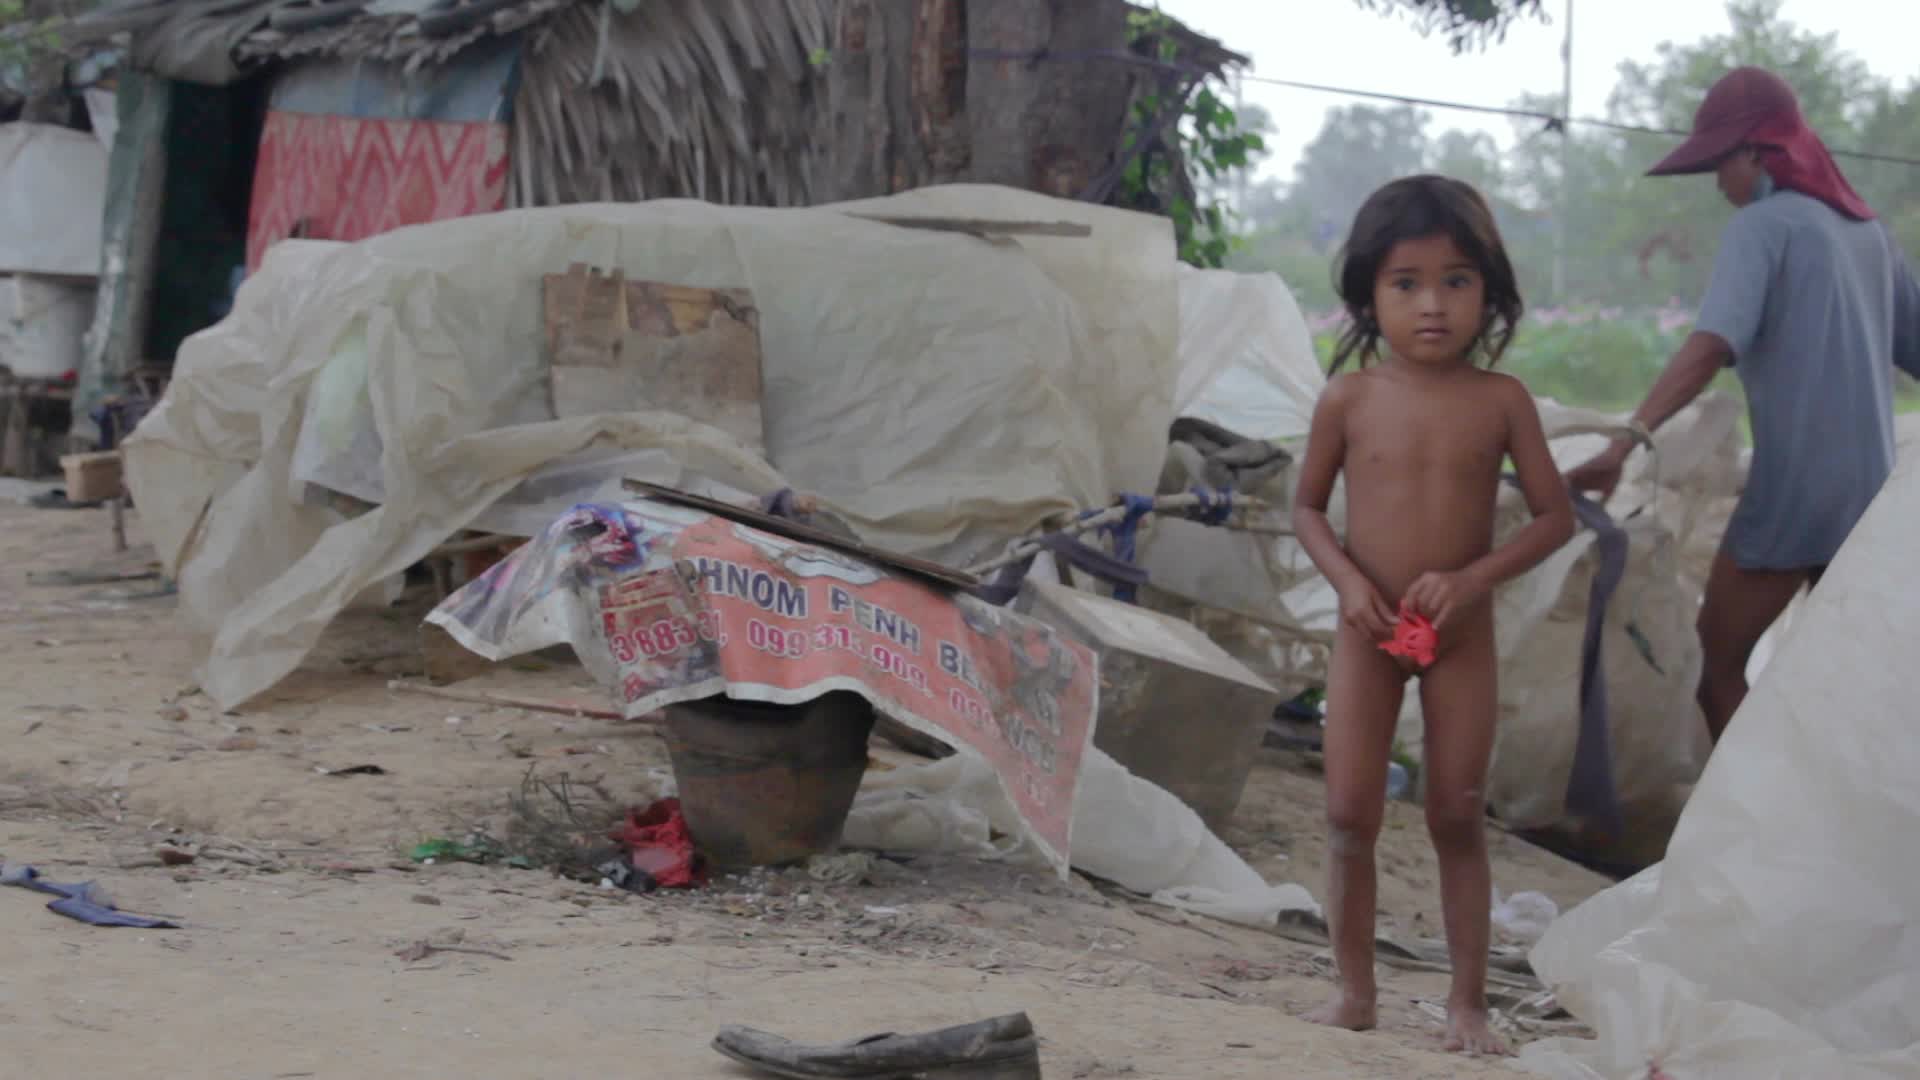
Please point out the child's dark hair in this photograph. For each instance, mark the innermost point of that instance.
(1408, 209)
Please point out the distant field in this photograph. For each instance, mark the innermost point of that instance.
(1597, 358)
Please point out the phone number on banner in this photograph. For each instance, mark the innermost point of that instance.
(667, 637)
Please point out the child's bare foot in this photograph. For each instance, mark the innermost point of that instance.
(1355, 1012)
(1469, 1032)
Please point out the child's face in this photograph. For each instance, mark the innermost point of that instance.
(1430, 301)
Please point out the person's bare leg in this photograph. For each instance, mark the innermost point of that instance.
(1364, 690)
(1459, 697)
(1739, 607)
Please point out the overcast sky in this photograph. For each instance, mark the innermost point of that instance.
(1335, 42)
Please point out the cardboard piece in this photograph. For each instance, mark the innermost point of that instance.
(617, 346)
(1175, 708)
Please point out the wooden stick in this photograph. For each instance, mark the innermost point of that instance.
(984, 226)
(476, 543)
(470, 697)
(1161, 504)
(120, 521)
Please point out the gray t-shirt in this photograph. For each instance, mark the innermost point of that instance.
(1819, 310)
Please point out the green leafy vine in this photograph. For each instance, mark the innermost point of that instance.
(23, 39)
(1205, 136)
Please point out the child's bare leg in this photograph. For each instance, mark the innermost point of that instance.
(1460, 699)
(1363, 698)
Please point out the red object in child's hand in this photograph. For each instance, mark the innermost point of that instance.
(1413, 638)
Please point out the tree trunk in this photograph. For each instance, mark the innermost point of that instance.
(1027, 93)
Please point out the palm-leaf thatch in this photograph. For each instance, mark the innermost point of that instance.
(617, 100)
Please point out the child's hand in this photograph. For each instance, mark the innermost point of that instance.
(1364, 609)
(1440, 597)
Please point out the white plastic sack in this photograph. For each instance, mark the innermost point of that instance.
(1126, 830)
(1776, 942)
(42, 324)
(53, 190)
(941, 393)
(1248, 364)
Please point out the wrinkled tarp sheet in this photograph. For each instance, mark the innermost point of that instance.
(1776, 942)
(53, 184)
(1126, 830)
(941, 393)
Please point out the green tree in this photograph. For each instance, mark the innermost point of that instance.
(1891, 126)
(1472, 156)
(1676, 222)
(1465, 23)
(1359, 148)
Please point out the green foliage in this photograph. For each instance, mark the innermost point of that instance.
(1208, 138)
(1631, 241)
(1596, 358)
(1465, 23)
(23, 38)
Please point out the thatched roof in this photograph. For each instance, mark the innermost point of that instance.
(617, 100)
(622, 101)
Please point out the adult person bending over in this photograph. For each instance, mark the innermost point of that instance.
(1813, 305)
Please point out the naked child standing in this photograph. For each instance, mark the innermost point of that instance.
(1421, 432)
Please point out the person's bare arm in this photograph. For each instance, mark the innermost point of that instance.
(1546, 494)
(1360, 601)
(1691, 370)
(1440, 596)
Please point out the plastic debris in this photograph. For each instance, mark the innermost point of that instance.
(660, 849)
(85, 902)
(1524, 917)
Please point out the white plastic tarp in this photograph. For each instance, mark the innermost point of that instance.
(53, 190)
(1126, 830)
(1246, 355)
(941, 393)
(1777, 940)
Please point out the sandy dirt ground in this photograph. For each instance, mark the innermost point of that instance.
(303, 916)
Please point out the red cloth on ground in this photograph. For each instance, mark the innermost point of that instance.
(659, 845)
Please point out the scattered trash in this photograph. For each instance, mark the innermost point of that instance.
(424, 948)
(173, 856)
(476, 849)
(1310, 705)
(237, 742)
(1003, 1047)
(85, 902)
(1399, 780)
(560, 708)
(92, 577)
(351, 770)
(882, 912)
(456, 721)
(175, 714)
(846, 868)
(1524, 917)
(660, 849)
